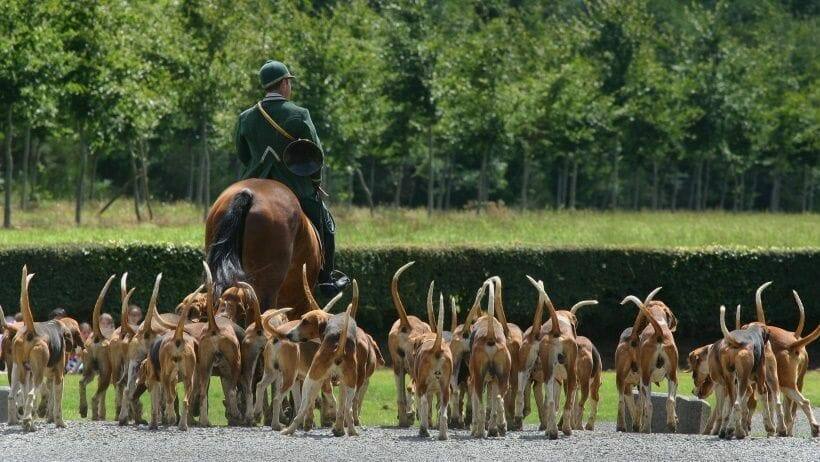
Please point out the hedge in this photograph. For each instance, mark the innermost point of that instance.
(695, 283)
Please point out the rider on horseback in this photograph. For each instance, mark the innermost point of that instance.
(264, 134)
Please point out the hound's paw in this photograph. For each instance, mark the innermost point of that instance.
(590, 426)
(28, 426)
(493, 432)
(815, 430)
(502, 430)
(338, 431)
(83, 411)
(59, 424)
(352, 432)
(424, 433)
(567, 431)
(183, 427)
(276, 427)
(153, 426)
(289, 431)
(542, 426)
(552, 434)
(442, 436)
(517, 423)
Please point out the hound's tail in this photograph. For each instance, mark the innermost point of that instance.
(799, 331)
(394, 292)
(25, 307)
(535, 331)
(225, 251)
(726, 334)
(806, 340)
(439, 324)
(125, 298)
(340, 348)
(761, 317)
(95, 316)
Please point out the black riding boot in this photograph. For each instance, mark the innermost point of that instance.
(331, 281)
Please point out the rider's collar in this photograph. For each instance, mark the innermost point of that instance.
(273, 96)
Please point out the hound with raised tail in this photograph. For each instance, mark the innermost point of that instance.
(490, 365)
(96, 362)
(400, 347)
(588, 373)
(218, 354)
(657, 356)
(433, 367)
(460, 350)
(336, 357)
(138, 347)
(172, 359)
(39, 360)
(738, 364)
(558, 353)
(8, 332)
(792, 363)
(530, 373)
(514, 337)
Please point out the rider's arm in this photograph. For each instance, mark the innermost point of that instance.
(242, 149)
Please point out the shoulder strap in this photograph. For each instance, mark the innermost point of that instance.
(273, 123)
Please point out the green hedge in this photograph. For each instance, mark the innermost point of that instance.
(695, 282)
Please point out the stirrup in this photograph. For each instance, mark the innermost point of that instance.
(336, 283)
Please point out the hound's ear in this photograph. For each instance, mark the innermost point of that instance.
(671, 320)
(574, 320)
(765, 332)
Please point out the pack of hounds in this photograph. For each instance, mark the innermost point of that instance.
(480, 373)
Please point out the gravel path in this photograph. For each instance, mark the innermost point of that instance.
(107, 441)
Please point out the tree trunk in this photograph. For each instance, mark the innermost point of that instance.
(136, 185)
(655, 183)
(573, 184)
(447, 193)
(636, 189)
(92, 177)
(431, 178)
(698, 187)
(724, 188)
(705, 197)
(78, 206)
(146, 195)
(482, 183)
(399, 183)
(191, 170)
(207, 203)
(35, 163)
(740, 183)
(613, 201)
(525, 179)
(24, 174)
(675, 190)
(774, 197)
(350, 177)
(807, 187)
(9, 166)
(752, 196)
(371, 186)
(367, 193)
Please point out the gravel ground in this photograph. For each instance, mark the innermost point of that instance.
(107, 441)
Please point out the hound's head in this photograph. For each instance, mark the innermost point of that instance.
(310, 326)
(699, 362)
(198, 303)
(233, 304)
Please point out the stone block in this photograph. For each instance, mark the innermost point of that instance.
(692, 413)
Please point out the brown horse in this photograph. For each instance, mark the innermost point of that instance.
(257, 233)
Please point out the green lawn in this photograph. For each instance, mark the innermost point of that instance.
(380, 401)
(52, 224)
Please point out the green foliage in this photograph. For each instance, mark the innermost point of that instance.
(566, 104)
(695, 283)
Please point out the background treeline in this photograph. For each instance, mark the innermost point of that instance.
(565, 104)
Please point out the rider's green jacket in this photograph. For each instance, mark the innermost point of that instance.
(259, 145)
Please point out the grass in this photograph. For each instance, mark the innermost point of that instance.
(380, 402)
(181, 223)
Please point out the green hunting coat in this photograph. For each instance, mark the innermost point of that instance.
(260, 146)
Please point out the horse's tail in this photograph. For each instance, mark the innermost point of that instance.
(225, 252)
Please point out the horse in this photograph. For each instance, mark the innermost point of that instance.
(256, 232)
